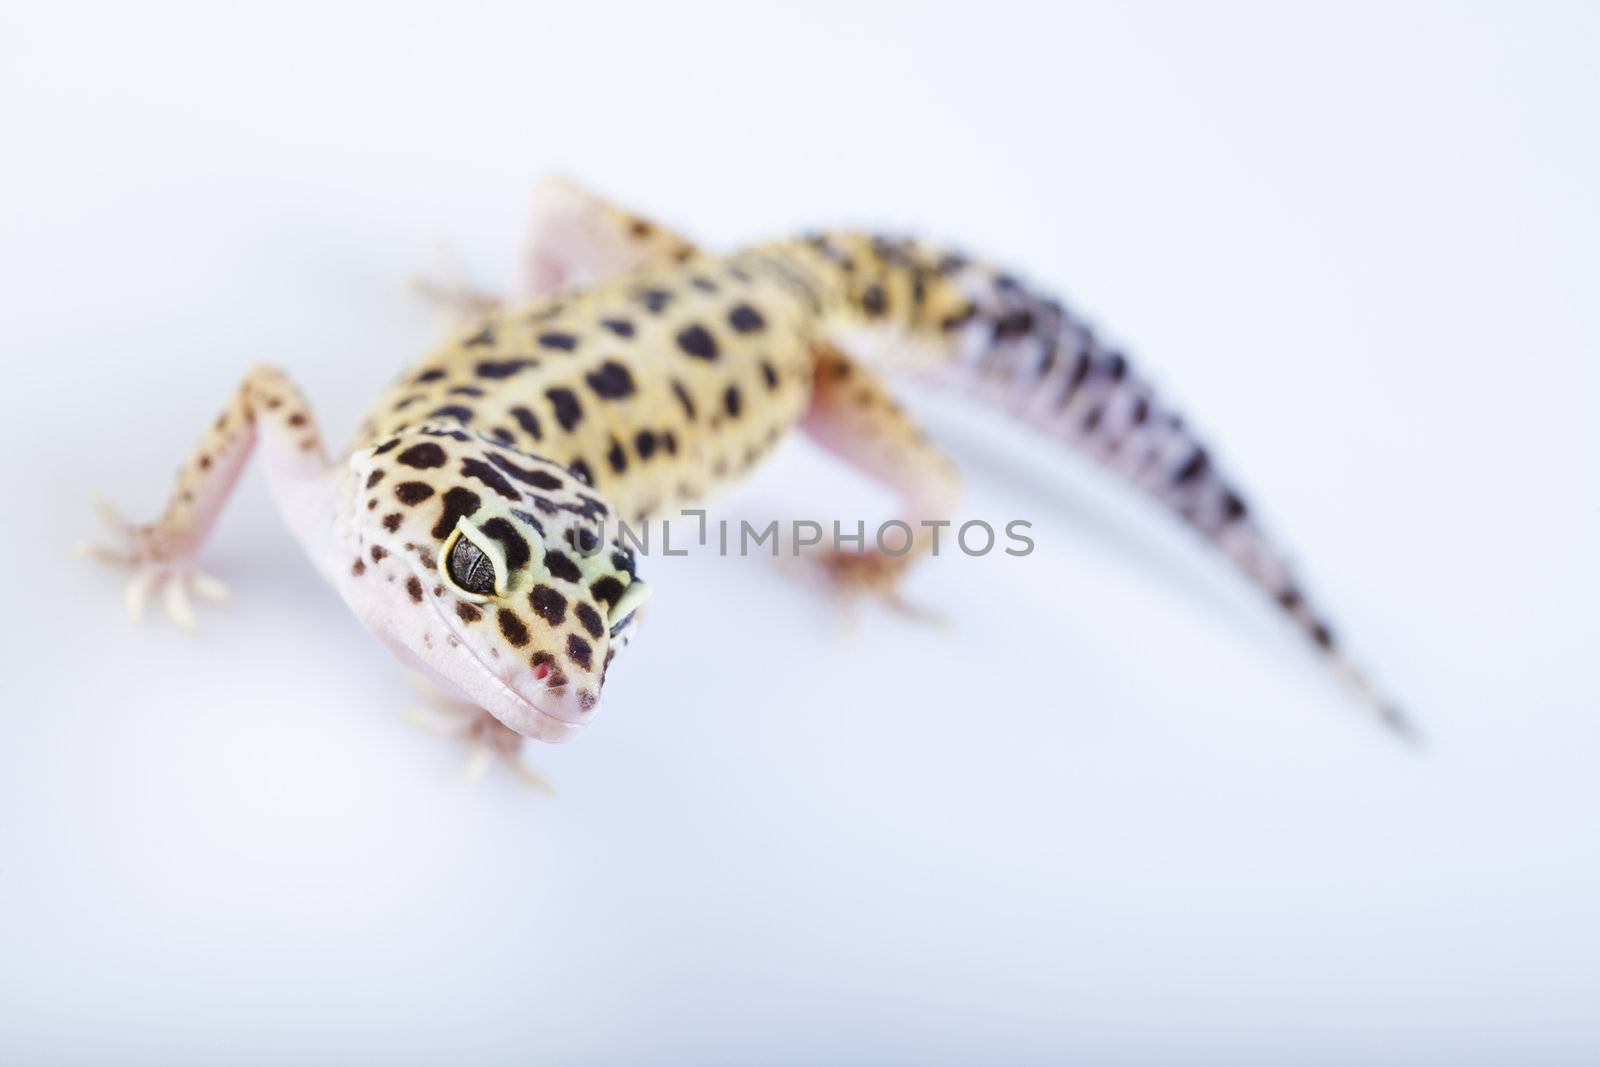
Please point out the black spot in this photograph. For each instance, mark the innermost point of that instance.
(561, 565)
(484, 336)
(414, 588)
(533, 476)
(873, 301)
(501, 368)
(1322, 636)
(580, 651)
(746, 319)
(388, 446)
(606, 589)
(566, 407)
(452, 411)
(731, 402)
(623, 561)
(620, 327)
(669, 441)
(645, 442)
(531, 520)
(565, 342)
(655, 299)
(374, 478)
(590, 619)
(476, 468)
(1118, 368)
(705, 285)
(1289, 598)
(413, 493)
(528, 421)
(583, 539)
(951, 323)
(457, 502)
(511, 540)
(466, 390)
(429, 376)
(610, 380)
(616, 457)
(358, 568)
(697, 342)
(378, 552)
(684, 398)
(467, 612)
(1141, 411)
(423, 456)
(502, 435)
(1013, 324)
(1233, 508)
(515, 630)
(1080, 371)
(580, 470)
(769, 375)
(1192, 468)
(392, 522)
(548, 604)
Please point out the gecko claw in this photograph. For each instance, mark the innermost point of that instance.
(133, 548)
(175, 597)
(138, 593)
(488, 739)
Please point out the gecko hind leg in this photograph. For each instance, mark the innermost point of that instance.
(853, 417)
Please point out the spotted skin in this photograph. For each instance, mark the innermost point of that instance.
(470, 523)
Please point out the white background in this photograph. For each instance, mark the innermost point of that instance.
(1113, 814)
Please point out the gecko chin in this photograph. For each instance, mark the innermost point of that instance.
(488, 570)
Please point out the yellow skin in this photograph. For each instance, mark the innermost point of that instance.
(472, 522)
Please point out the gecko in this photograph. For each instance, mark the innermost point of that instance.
(474, 522)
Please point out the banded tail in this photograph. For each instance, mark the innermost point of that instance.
(969, 325)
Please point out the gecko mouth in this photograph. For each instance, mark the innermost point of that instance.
(523, 698)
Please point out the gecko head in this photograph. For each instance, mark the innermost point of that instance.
(497, 573)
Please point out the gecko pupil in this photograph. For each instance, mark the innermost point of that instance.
(470, 568)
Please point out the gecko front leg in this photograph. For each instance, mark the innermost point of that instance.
(162, 554)
(853, 417)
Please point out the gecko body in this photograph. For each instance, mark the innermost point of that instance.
(472, 522)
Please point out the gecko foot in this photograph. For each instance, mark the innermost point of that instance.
(172, 575)
(854, 577)
(450, 290)
(487, 738)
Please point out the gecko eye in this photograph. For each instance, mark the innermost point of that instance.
(471, 565)
(628, 603)
(470, 568)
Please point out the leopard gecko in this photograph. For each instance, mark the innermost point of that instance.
(469, 523)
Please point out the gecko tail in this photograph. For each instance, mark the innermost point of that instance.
(967, 325)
